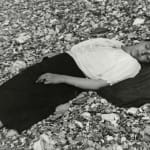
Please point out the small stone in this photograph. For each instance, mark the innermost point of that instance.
(22, 38)
(51, 35)
(79, 124)
(2, 18)
(47, 142)
(147, 118)
(90, 143)
(48, 37)
(103, 101)
(145, 108)
(71, 126)
(117, 147)
(94, 105)
(113, 118)
(109, 138)
(80, 100)
(61, 109)
(132, 111)
(138, 21)
(1, 124)
(18, 1)
(17, 66)
(58, 28)
(6, 22)
(147, 130)
(45, 51)
(81, 95)
(90, 100)
(37, 146)
(103, 148)
(11, 133)
(123, 139)
(69, 37)
(63, 141)
(86, 115)
(54, 21)
(136, 130)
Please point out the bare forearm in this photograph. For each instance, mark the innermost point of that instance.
(83, 83)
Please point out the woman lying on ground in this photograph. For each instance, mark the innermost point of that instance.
(94, 64)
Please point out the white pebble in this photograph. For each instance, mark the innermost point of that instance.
(123, 139)
(103, 101)
(22, 38)
(17, 65)
(113, 118)
(79, 124)
(109, 138)
(86, 115)
(37, 146)
(138, 21)
(132, 110)
(11, 133)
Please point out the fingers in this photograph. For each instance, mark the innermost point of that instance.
(42, 78)
(44, 81)
(47, 78)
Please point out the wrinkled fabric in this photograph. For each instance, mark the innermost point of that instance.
(104, 59)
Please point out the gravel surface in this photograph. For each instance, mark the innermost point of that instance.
(33, 29)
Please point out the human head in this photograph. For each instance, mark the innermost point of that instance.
(141, 51)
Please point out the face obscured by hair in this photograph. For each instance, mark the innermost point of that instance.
(141, 51)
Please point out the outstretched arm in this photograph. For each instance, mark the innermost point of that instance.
(83, 83)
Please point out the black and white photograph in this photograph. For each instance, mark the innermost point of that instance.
(74, 74)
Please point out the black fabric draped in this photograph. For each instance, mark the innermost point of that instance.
(24, 102)
(132, 92)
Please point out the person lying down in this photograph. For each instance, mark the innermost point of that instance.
(119, 73)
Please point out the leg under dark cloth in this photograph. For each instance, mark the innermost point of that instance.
(24, 102)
